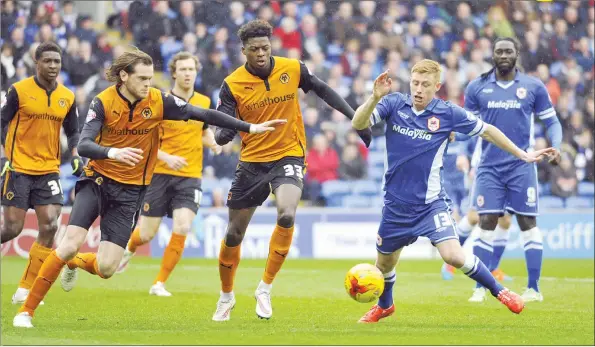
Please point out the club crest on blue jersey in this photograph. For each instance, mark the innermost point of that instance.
(521, 93)
(433, 123)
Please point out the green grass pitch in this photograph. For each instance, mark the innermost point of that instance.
(310, 307)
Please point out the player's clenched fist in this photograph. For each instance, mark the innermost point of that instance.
(382, 85)
(266, 126)
(130, 156)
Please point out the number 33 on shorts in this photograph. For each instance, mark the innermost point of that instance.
(294, 170)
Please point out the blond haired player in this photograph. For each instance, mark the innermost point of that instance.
(176, 187)
(418, 127)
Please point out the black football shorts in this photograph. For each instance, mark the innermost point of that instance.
(168, 193)
(253, 182)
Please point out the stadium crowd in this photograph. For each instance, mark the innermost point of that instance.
(345, 43)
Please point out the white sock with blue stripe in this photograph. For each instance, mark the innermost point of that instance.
(533, 245)
(464, 229)
(476, 270)
(484, 247)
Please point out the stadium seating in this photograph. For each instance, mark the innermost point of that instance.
(207, 200)
(354, 201)
(378, 144)
(366, 188)
(586, 189)
(545, 189)
(209, 184)
(332, 188)
(376, 158)
(551, 202)
(579, 202)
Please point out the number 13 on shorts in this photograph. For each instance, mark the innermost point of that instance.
(442, 220)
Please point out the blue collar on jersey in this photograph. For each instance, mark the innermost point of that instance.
(517, 76)
(431, 105)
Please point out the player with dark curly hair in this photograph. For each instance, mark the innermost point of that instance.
(266, 87)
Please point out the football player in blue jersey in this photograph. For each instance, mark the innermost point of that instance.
(415, 203)
(510, 99)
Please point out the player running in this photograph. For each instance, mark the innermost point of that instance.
(415, 204)
(120, 136)
(509, 99)
(175, 189)
(264, 88)
(34, 111)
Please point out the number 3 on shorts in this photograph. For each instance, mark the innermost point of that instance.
(293, 170)
(55, 186)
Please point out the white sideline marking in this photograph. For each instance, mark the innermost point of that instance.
(412, 274)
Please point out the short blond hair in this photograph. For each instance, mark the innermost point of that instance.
(427, 66)
(182, 56)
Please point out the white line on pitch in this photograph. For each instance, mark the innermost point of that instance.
(412, 274)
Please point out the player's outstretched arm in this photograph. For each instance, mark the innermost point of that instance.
(177, 109)
(226, 104)
(495, 136)
(382, 85)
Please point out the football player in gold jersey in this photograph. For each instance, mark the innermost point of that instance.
(176, 186)
(33, 113)
(266, 87)
(121, 139)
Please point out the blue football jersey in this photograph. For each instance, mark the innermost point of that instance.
(511, 107)
(416, 143)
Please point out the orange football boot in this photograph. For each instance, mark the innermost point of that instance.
(376, 313)
(512, 300)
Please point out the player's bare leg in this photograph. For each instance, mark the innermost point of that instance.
(287, 198)
(145, 231)
(47, 221)
(452, 253)
(464, 228)
(182, 218)
(386, 263)
(13, 222)
(533, 246)
(229, 259)
(104, 263)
